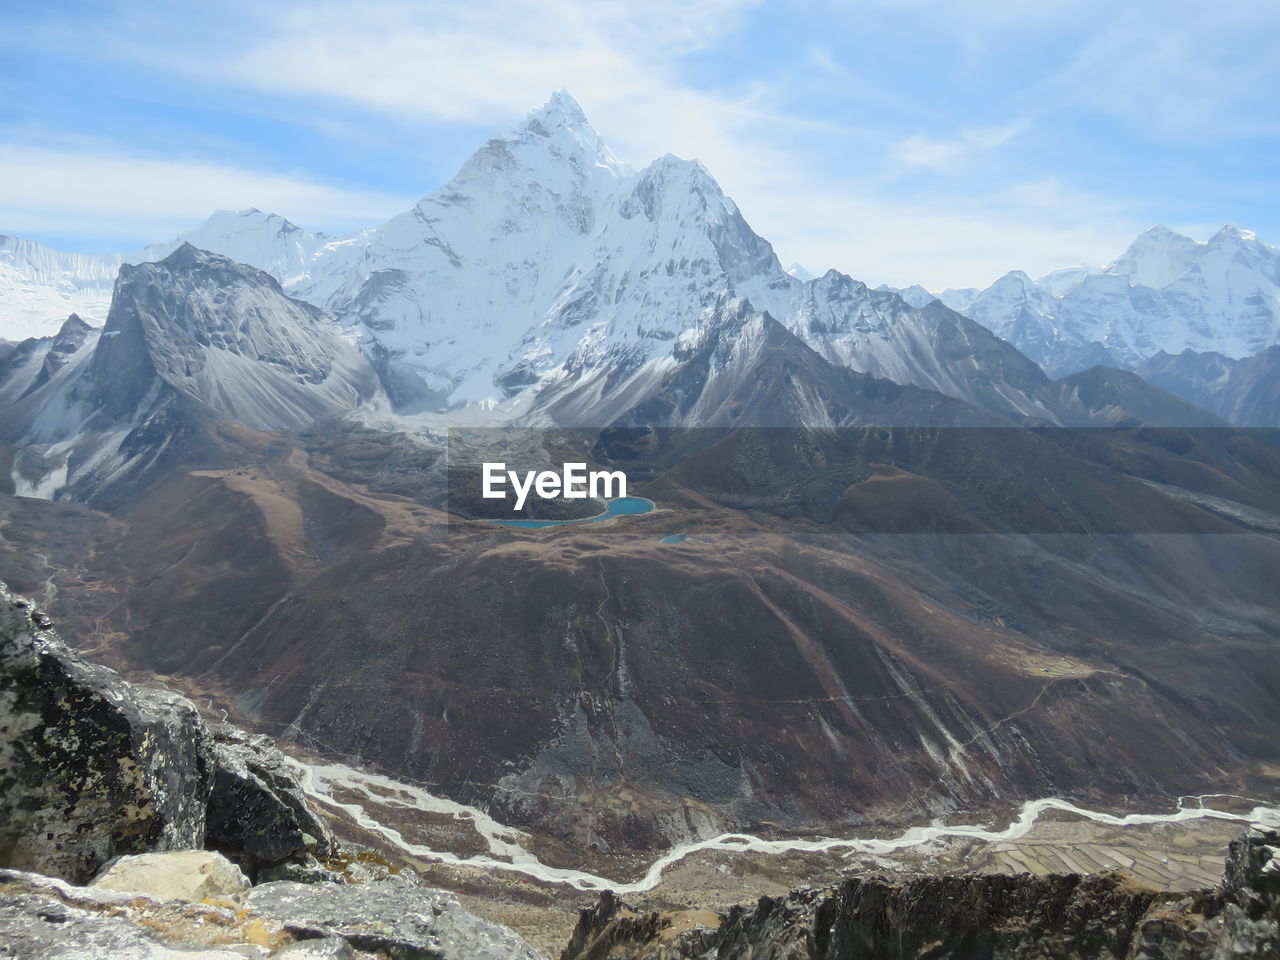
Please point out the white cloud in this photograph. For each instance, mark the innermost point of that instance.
(448, 61)
(1181, 69)
(944, 154)
(488, 64)
(75, 191)
(436, 62)
(941, 241)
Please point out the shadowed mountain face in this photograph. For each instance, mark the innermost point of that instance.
(612, 688)
(1106, 396)
(190, 340)
(1245, 392)
(739, 367)
(1078, 612)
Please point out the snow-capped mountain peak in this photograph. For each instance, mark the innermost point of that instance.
(1229, 233)
(1015, 280)
(1059, 281)
(1166, 292)
(560, 110)
(546, 260)
(263, 240)
(553, 148)
(1156, 258)
(39, 286)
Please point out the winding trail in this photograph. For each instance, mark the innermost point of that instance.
(506, 854)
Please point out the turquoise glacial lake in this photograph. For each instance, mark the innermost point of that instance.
(622, 507)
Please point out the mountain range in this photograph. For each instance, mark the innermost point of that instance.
(240, 479)
(1165, 293)
(548, 260)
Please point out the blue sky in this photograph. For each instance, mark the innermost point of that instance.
(939, 142)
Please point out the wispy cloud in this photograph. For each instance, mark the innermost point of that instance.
(98, 194)
(946, 153)
(447, 61)
(843, 145)
(941, 241)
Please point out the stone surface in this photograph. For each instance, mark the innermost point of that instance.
(255, 804)
(398, 919)
(33, 929)
(1251, 894)
(184, 875)
(43, 918)
(323, 948)
(93, 767)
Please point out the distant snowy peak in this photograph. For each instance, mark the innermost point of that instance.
(544, 250)
(40, 286)
(915, 295)
(263, 240)
(554, 152)
(1156, 258)
(1057, 282)
(189, 340)
(959, 299)
(562, 124)
(449, 289)
(1166, 292)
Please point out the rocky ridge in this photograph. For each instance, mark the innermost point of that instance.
(950, 917)
(110, 782)
(96, 767)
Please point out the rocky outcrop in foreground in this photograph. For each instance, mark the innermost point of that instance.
(42, 919)
(103, 779)
(93, 767)
(990, 917)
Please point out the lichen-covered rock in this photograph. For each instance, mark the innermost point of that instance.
(94, 767)
(402, 921)
(32, 928)
(180, 875)
(91, 767)
(256, 806)
(43, 918)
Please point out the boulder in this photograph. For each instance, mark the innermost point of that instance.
(256, 806)
(48, 919)
(93, 767)
(402, 921)
(184, 875)
(323, 948)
